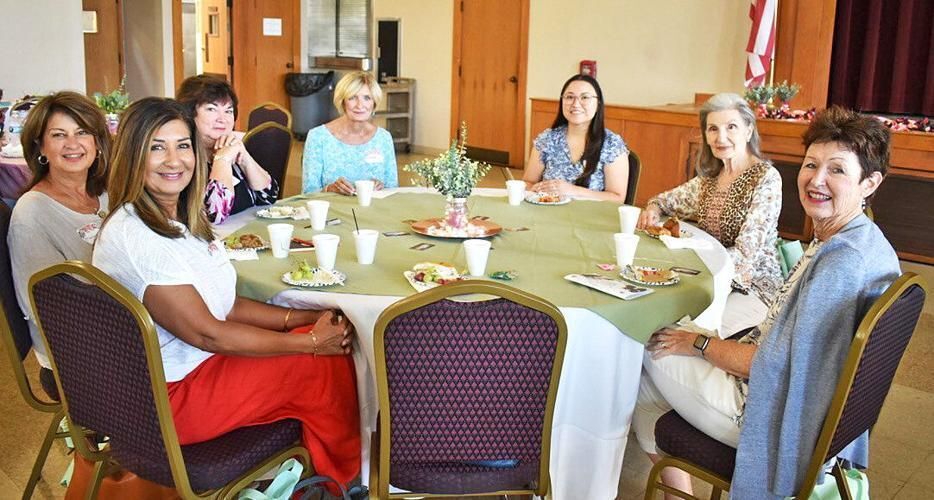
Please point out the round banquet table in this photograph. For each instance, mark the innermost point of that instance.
(14, 175)
(603, 359)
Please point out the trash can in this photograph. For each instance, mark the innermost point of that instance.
(312, 97)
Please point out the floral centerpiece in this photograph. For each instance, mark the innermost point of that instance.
(112, 104)
(761, 99)
(454, 175)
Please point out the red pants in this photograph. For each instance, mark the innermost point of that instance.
(228, 392)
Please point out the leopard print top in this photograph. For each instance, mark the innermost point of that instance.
(744, 218)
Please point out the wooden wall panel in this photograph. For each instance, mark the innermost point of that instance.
(804, 42)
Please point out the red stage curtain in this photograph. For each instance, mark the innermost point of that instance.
(883, 56)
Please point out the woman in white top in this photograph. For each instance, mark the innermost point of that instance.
(66, 145)
(228, 360)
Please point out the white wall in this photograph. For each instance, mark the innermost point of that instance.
(41, 47)
(648, 52)
(427, 45)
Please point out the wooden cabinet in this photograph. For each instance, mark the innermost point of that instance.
(667, 139)
(396, 112)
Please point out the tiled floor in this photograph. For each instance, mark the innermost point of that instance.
(902, 446)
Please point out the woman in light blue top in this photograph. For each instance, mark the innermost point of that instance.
(350, 148)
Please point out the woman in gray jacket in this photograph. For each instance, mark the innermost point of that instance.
(768, 392)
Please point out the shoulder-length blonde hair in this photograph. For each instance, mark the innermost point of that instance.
(129, 165)
(351, 83)
(88, 116)
(707, 164)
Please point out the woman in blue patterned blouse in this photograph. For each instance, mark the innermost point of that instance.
(350, 148)
(578, 156)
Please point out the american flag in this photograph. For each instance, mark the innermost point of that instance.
(760, 50)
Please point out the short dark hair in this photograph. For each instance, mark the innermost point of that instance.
(88, 116)
(864, 136)
(202, 89)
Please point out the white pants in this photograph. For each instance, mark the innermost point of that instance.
(704, 395)
(741, 311)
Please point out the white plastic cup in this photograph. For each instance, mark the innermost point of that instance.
(515, 191)
(326, 250)
(478, 251)
(628, 218)
(365, 242)
(626, 245)
(318, 213)
(280, 237)
(364, 192)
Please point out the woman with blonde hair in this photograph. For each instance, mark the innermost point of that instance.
(67, 146)
(229, 362)
(350, 148)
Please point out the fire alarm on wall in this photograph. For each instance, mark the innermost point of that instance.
(589, 68)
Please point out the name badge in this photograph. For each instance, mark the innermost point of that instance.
(373, 157)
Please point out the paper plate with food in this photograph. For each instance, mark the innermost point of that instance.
(304, 275)
(671, 227)
(652, 276)
(283, 212)
(540, 198)
(427, 275)
(248, 241)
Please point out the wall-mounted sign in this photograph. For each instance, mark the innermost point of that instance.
(89, 21)
(272, 26)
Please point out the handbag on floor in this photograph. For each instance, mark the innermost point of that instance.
(282, 485)
(119, 485)
(315, 485)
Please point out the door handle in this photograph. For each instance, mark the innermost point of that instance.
(288, 65)
(513, 79)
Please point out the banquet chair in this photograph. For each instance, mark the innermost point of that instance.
(875, 353)
(16, 341)
(635, 170)
(269, 112)
(270, 144)
(108, 367)
(466, 392)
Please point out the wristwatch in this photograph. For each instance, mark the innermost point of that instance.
(701, 342)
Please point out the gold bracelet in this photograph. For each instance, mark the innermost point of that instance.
(314, 342)
(288, 314)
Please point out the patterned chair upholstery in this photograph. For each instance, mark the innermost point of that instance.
(16, 341)
(270, 144)
(462, 384)
(877, 349)
(269, 112)
(108, 365)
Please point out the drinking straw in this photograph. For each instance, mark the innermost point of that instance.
(354, 212)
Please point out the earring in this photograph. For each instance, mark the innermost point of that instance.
(42, 159)
(863, 204)
(99, 152)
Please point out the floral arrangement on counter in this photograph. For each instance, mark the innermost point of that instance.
(452, 173)
(115, 101)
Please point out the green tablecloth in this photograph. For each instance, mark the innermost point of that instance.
(561, 240)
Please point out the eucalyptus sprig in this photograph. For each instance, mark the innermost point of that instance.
(451, 173)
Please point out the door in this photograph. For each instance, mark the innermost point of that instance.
(490, 53)
(215, 29)
(266, 48)
(103, 47)
(387, 48)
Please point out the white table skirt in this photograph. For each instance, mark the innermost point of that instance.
(599, 380)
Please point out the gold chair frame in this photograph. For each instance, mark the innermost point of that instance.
(273, 105)
(379, 442)
(815, 467)
(101, 458)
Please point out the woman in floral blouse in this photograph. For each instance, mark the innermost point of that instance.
(736, 197)
(578, 156)
(237, 182)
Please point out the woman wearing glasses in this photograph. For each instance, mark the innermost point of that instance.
(577, 156)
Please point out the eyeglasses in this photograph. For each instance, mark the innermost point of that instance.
(584, 99)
